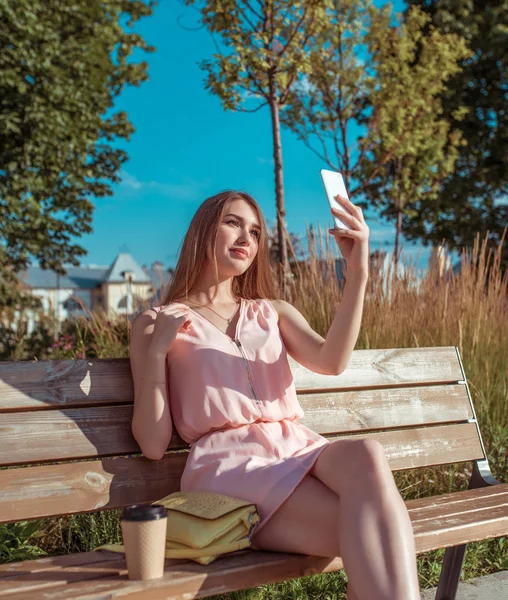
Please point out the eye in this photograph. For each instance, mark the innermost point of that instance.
(235, 221)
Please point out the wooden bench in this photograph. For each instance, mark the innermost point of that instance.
(77, 414)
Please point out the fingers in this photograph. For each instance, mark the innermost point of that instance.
(176, 311)
(352, 208)
(347, 218)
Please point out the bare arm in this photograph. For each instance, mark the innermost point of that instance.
(311, 350)
(343, 333)
(151, 426)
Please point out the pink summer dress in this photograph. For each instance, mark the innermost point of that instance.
(234, 402)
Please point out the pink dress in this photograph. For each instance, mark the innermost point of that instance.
(235, 404)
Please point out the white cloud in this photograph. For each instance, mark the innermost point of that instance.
(178, 191)
(130, 181)
(380, 235)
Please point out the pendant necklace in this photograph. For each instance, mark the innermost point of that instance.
(221, 317)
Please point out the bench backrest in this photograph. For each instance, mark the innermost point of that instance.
(66, 440)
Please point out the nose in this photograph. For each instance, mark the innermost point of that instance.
(243, 237)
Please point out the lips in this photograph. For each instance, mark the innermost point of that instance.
(240, 252)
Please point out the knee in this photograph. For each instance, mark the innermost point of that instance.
(369, 458)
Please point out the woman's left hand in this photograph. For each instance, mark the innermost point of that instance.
(354, 242)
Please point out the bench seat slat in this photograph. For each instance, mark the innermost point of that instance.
(88, 382)
(51, 435)
(22, 568)
(252, 568)
(42, 581)
(492, 495)
(48, 490)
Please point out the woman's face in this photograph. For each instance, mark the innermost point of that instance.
(239, 229)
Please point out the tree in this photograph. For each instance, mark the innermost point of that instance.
(266, 46)
(401, 156)
(466, 203)
(61, 67)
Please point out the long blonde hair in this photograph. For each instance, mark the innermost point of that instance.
(258, 279)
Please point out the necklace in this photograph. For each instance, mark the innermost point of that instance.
(221, 317)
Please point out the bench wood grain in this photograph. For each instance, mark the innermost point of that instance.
(66, 448)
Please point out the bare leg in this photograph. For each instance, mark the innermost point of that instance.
(375, 532)
(350, 593)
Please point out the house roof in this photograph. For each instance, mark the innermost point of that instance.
(91, 277)
(76, 278)
(122, 263)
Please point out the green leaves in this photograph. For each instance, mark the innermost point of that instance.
(263, 46)
(14, 538)
(61, 67)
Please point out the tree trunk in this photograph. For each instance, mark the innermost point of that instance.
(284, 271)
(396, 252)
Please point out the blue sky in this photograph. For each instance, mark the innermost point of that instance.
(186, 148)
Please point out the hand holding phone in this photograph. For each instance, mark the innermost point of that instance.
(334, 185)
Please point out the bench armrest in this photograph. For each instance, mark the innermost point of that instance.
(482, 476)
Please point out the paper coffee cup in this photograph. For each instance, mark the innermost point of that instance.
(144, 536)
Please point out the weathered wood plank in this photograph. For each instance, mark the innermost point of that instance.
(20, 569)
(43, 580)
(47, 490)
(428, 446)
(61, 383)
(386, 368)
(453, 502)
(190, 580)
(331, 412)
(250, 568)
(67, 488)
(52, 435)
(44, 436)
(66, 383)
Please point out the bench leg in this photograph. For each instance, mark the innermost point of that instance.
(454, 556)
(450, 572)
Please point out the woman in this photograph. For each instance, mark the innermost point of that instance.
(215, 352)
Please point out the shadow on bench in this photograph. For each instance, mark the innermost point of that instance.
(415, 401)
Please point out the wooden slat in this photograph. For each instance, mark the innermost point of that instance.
(62, 383)
(461, 517)
(44, 579)
(34, 492)
(341, 412)
(90, 382)
(49, 490)
(458, 501)
(54, 435)
(429, 446)
(22, 568)
(185, 580)
(386, 368)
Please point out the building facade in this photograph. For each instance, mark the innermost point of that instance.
(125, 287)
(121, 288)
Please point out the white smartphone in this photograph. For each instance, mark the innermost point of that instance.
(334, 184)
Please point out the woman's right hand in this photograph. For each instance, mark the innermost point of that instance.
(170, 320)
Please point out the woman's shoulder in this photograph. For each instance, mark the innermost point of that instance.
(277, 305)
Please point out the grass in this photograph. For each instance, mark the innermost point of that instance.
(466, 309)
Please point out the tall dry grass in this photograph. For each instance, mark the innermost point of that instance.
(466, 309)
(432, 307)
